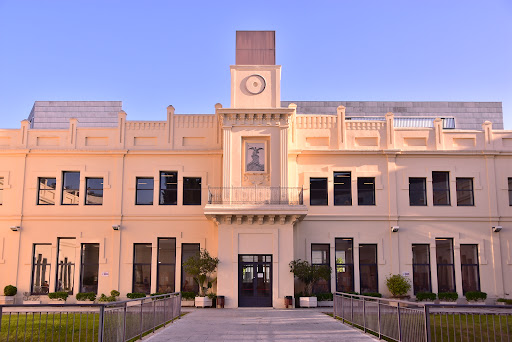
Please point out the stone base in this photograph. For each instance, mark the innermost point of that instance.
(203, 302)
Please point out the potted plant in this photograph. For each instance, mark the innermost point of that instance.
(9, 294)
(85, 297)
(58, 297)
(309, 274)
(325, 299)
(447, 297)
(398, 286)
(135, 295)
(188, 298)
(426, 297)
(476, 297)
(200, 267)
(30, 298)
(504, 301)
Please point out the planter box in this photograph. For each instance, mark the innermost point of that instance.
(84, 302)
(56, 302)
(326, 303)
(31, 302)
(203, 302)
(308, 302)
(188, 303)
(7, 299)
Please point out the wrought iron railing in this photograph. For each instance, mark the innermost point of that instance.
(107, 322)
(416, 322)
(256, 195)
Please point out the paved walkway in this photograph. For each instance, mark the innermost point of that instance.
(258, 325)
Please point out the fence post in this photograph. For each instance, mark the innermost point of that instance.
(399, 322)
(427, 323)
(364, 315)
(101, 323)
(141, 326)
(124, 322)
(352, 309)
(154, 314)
(165, 311)
(334, 307)
(378, 316)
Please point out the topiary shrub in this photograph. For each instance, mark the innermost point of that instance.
(398, 285)
(104, 298)
(448, 296)
(10, 290)
(86, 296)
(135, 295)
(422, 296)
(476, 295)
(505, 300)
(323, 296)
(114, 293)
(61, 295)
(188, 295)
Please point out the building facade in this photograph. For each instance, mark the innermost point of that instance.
(100, 204)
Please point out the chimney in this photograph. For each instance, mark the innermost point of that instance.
(255, 48)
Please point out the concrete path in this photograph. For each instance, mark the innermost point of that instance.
(258, 325)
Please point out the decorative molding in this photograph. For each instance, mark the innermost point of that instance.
(145, 125)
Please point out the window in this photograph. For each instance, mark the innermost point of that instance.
(70, 187)
(90, 261)
(368, 268)
(366, 191)
(166, 265)
(144, 195)
(318, 191)
(445, 267)
(441, 187)
(46, 191)
(66, 265)
(191, 191)
(94, 191)
(421, 268)
(168, 188)
(510, 191)
(41, 268)
(464, 188)
(342, 188)
(188, 284)
(141, 268)
(417, 191)
(320, 256)
(470, 269)
(344, 265)
(1, 190)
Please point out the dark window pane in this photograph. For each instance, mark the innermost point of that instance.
(142, 253)
(191, 191)
(41, 269)
(470, 268)
(510, 191)
(89, 267)
(94, 191)
(318, 191)
(70, 188)
(166, 272)
(366, 191)
(344, 265)
(344, 251)
(421, 254)
(368, 268)
(417, 191)
(168, 188)
(165, 281)
(444, 251)
(320, 256)
(441, 187)
(445, 267)
(167, 251)
(46, 191)
(141, 268)
(465, 191)
(421, 268)
(445, 278)
(187, 281)
(342, 188)
(368, 254)
(66, 264)
(144, 194)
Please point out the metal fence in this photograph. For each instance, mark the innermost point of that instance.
(410, 322)
(105, 322)
(256, 195)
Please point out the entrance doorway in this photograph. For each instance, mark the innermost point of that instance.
(255, 280)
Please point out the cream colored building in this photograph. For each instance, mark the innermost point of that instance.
(119, 204)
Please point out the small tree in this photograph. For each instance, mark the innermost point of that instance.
(200, 267)
(309, 274)
(398, 285)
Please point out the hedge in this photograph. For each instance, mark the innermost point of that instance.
(448, 296)
(421, 296)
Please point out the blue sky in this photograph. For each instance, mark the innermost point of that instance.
(150, 54)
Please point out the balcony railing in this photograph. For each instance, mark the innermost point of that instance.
(255, 195)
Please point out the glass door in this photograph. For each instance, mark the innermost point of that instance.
(255, 281)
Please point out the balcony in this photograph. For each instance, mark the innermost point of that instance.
(255, 196)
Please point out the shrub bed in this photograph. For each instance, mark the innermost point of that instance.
(86, 296)
(448, 296)
(476, 295)
(61, 295)
(188, 295)
(422, 296)
(135, 295)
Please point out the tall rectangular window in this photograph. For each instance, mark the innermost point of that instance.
(46, 191)
(141, 268)
(90, 263)
(1, 190)
(368, 268)
(445, 267)
(41, 269)
(366, 191)
(188, 283)
(320, 256)
(441, 187)
(70, 187)
(510, 191)
(342, 188)
(66, 265)
(144, 195)
(417, 191)
(470, 269)
(465, 196)
(318, 191)
(168, 188)
(191, 190)
(344, 265)
(166, 269)
(421, 268)
(94, 191)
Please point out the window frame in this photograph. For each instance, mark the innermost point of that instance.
(186, 191)
(369, 264)
(459, 191)
(64, 189)
(477, 266)
(424, 181)
(137, 190)
(158, 263)
(39, 190)
(87, 190)
(150, 245)
(82, 263)
(58, 266)
(510, 191)
(326, 191)
(162, 189)
(351, 265)
(343, 189)
(437, 190)
(49, 272)
(360, 191)
(446, 264)
(328, 264)
(429, 267)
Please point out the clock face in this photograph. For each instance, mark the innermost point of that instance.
(255, 84)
